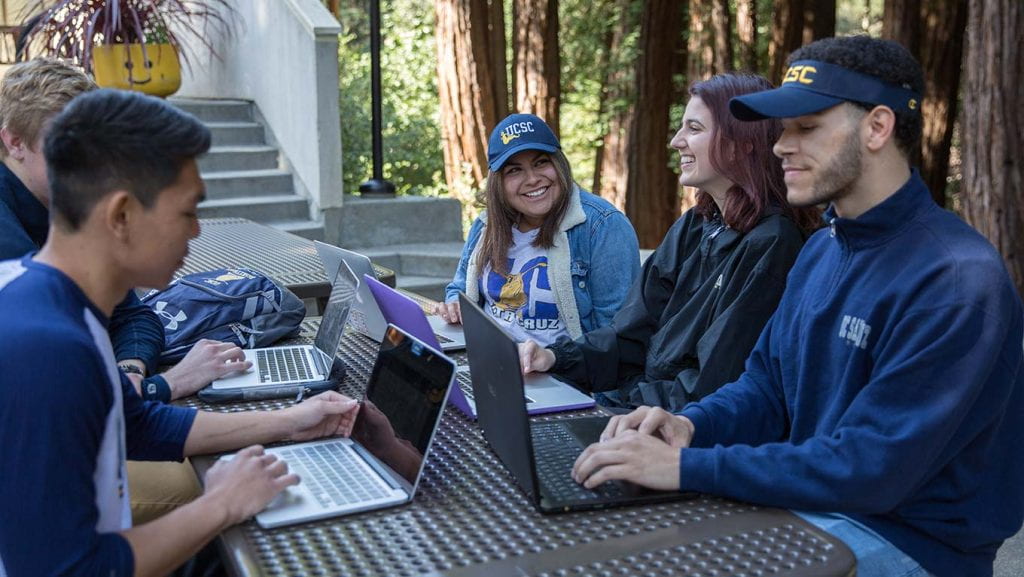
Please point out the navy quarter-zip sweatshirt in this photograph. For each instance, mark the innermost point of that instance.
(888, 386)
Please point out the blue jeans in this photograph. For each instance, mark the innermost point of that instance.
(876, 557)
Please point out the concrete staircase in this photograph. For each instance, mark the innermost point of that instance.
(244, 172)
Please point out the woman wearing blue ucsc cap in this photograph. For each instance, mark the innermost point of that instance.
(546, 259)
(707, 291)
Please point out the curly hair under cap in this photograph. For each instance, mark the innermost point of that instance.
(884, 59)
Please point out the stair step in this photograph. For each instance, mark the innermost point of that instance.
(438, 259)
(239, 157)
(234, 133)
(264, 209)
(307, 229)
(219, 110)
(247, 183)
(431, 287)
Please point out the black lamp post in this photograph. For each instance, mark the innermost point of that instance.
(376, 186)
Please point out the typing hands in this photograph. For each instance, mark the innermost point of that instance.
(641, 447)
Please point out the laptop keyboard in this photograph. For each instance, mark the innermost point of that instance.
(334, 474)
(283, 364)
(557, 450)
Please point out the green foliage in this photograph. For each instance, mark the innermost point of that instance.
(411, 136)
(413, 158)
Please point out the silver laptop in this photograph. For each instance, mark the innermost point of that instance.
(294, 365)
(381, 464)
(366, 317)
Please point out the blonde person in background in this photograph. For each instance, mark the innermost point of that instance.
(546, 259)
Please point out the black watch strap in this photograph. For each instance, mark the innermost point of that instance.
(130, 369)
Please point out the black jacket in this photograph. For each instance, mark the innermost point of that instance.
(692, 317)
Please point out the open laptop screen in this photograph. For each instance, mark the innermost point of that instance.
(403, 402)
(332, 325)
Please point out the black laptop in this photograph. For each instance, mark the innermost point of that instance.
(540, 455)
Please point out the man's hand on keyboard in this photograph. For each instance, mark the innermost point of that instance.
(675, 430)
(206, 362)
(631, 456)
(245, 484)
(328, 414)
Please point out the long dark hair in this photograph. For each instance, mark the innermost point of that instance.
(742, 152)
(501, 217)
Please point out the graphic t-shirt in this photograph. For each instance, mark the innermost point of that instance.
(522, 301)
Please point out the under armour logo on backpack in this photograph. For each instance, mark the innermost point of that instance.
(172, 320)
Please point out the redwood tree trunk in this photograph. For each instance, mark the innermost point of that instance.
(537, 78)
(472, 87)
(787, 35)
(652, 203)
(701, 49)
(942, 37)
(746, 28)
(901, 21)
(611, 166)
(992, 121)
(819, 19)
(721, 23)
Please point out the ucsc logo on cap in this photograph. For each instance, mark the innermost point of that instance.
(513, 131)
(518, 132)
(810, 86)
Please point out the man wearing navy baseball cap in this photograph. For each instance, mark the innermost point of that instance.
(883, 400)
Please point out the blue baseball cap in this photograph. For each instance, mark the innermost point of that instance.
(810, 86)
(519, 132)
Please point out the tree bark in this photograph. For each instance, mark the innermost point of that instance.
(901, 21)
(472, 87)
(721, 23)
(746, 28)
(652, 203)
(537, 78)
(992, 120)
(700, 50)
(611, 166)
(941, 43)
(787, 34)
(819, 19)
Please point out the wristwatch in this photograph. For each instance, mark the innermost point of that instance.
(130, 369)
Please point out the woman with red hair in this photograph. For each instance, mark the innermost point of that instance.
(697, 309)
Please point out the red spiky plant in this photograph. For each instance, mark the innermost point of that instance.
(69, 29)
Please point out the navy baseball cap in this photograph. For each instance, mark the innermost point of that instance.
(519, 132)
(811, 86)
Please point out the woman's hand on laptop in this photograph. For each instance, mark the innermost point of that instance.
(450, 312)
(534, 358)
(328, 414)
(206, 362)
(642, 459)
(672, 429)
(244, 484)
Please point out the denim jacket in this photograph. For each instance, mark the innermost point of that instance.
(592, 264)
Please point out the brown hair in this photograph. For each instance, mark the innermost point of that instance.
(33, 92)
(501, 217)
(742, 152)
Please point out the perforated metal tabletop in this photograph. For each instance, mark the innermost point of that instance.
(470, 518)
(289, 259)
